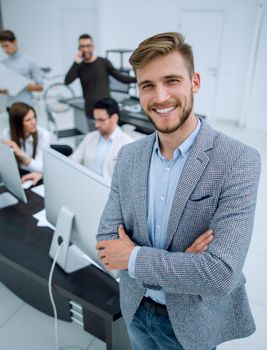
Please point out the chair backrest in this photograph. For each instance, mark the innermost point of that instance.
(52, 127)
(51, 123)
(63, 149)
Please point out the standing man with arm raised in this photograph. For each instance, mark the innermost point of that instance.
(93, 72)
(21, 64)
(168, 189)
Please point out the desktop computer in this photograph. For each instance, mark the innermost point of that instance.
(75, 198)
(10, 177)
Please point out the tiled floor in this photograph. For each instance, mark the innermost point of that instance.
(24, 328)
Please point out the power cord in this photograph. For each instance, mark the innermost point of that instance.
(53, 302)
(51, 294)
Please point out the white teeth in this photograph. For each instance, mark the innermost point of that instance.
(164, 110)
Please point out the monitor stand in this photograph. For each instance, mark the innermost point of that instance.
(7, 199)
(71, 258)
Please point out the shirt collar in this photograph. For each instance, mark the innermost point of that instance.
(113, 136)
(184, 147)
(16, 55)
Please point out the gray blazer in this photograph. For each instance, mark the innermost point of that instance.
(205, 294)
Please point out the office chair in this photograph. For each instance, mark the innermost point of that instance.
(66, 150)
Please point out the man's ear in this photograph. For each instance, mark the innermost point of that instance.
(195, 82)
(115, 117)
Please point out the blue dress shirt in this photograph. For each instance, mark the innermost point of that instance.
(23, 65)
(164, 175)
(102, 150)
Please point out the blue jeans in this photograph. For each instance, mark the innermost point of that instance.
(152, 331)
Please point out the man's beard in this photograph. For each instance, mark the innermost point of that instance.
(88, 57)
(184, 115)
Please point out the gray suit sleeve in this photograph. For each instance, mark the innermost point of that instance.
(112, 215)
(218, 270)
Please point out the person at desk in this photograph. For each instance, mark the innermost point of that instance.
(93, 73)
(22, 65)
(99, 149)
(25, 138)
(167, 189)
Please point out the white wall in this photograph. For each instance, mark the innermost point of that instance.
(39, 26)
(139, 19)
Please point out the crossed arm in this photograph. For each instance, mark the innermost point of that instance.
(114, 254)
(218, 270)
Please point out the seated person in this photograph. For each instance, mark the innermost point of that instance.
(99, 149)
(25, 138)
(35, 176)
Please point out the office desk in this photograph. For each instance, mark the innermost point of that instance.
(139, 120)
(25, 266)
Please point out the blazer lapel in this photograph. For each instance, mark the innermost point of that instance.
(140, 188)
(195, 165)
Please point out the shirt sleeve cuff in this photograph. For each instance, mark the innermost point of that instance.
(132, 259)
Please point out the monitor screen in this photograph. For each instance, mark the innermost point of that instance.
(10, 177)
(117, 86)
(74, 201)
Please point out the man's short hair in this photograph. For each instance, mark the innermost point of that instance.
(7, 35)
(161, 45)
(85, 36)
(109, 104)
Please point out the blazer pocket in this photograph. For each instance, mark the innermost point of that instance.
(200, 198)
(200, 203)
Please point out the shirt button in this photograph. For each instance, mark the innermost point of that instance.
(158, 226)
(162, 198)
(167, 169)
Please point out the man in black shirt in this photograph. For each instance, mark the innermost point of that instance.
(93, 73)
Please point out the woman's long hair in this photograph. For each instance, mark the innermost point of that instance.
(17, 112)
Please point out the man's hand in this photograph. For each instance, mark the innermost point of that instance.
(34, 87)
(4, 91)
(114, 254)
(201, 243)
(78, 57)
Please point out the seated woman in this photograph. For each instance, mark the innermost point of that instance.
(25, 138)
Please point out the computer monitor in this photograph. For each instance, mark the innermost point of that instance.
(117, 86)
(74, 201)
(10, 177)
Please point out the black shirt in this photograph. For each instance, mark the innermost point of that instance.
(94, 77)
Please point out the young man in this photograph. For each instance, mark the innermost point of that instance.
(22, 65)
(93, 73)
(167, 189)
(99, 149)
